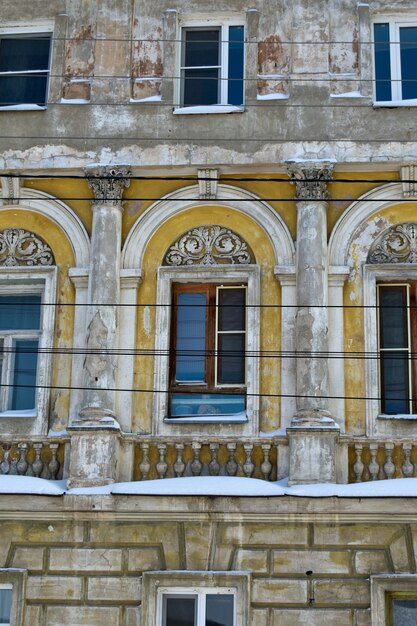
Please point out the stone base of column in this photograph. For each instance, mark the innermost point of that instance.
(93, 456)
(313, 417)
(312, 452)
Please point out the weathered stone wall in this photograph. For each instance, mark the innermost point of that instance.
(309, 564)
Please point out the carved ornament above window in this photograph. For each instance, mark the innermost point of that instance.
(21, 247)
(397, 244)
(209, 245)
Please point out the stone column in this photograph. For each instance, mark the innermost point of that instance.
(95, 432)
(103, 292)
(313, 432)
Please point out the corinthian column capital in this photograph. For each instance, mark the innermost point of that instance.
(311, 179)
(108, 184)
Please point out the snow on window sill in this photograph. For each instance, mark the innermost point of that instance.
(19, 413)
(23, 107)
(395, 103)
(208, 109)
(397, 416)
(273, 96)
(348, 94)
(235, 418)
(145, 100)
(74, 101)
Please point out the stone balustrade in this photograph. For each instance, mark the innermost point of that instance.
(251, 458)
(371, 459)
(32, 458)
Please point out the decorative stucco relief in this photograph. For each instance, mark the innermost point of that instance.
(21, 247)
(397, 244)
(209, 245)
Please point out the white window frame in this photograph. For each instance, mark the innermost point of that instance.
(207, 22)
(40, 28)
(41, 280)
(377, 423)
(395, 23)
(14, 579)
(223, 275)
(389, 584)
(156, 584)
(200, 593)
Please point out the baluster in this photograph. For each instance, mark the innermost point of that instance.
(231, 465)
(248, 466)
(407, 467)
(22, 464)
(373, 465)
(5, 464)
(266, 466)
(389, 467)
(54, 463)
(145, 465)
(214, 465)
(196, 465)
(179, 465)
(161, 466)
(37, 465)
(13, 465)
(358, 466)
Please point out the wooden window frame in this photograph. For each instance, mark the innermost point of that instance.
(211, 346)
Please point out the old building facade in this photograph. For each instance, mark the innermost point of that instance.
(208, 272)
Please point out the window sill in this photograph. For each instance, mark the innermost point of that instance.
(208, 109)
(395, 103)
(23, 107)
(398, 416)
(237, 418)
(19, 414)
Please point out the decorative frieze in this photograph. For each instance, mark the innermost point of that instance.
(21, 247)
(397, 244)
(310, 180)
(209, 245)
(108, 184)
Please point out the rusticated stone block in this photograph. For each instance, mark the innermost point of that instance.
(259, 617)
(264, 534)
(142, 559)
(114, 589)
(252, 560)
(29, 558)
(317, 561)
(279, 591)
(370, 562)
(346, 591)
(53, 588)
(85, 560)
(362, 617)
(311, 617)
(354, 535)
(133, 616)
(82, 616)
(399, 554)
(32, 615)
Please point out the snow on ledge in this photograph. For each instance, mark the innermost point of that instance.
(220, 486)
(147, 99)
(273, 96)
(347, 94)
(31, 485)
(208, 109)
(23, 107)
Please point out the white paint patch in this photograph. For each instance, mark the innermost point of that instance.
(147, 321)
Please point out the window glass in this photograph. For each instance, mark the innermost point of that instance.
(191, 337)
(404, 612)
(200, 404)
(235, 73)
(382, 62)
(180, 611)
(219, 609)
(393, 317)
(394, 379)
(5, 605)
(408, 52)
(25, 367)
(20, 312)
(202, 50)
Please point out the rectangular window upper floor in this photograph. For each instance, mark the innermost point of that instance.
(395, 61)
(25, 58)
(211, 66)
